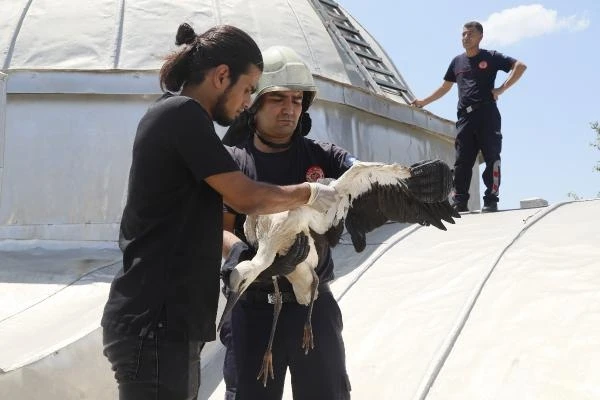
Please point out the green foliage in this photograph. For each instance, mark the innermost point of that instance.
(596, 127)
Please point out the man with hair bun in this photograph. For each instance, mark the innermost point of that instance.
(162, 304)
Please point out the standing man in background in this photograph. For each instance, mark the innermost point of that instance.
(479, 122)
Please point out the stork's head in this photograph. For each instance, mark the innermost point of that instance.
(240, 278)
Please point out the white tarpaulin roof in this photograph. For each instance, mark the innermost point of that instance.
(503, 306)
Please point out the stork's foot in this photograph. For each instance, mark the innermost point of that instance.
(308, 342)
(267, 368)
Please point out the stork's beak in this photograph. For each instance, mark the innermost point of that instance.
(232, 298)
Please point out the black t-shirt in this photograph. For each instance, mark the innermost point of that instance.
(475, 76)
(305, 161)
(171, 229)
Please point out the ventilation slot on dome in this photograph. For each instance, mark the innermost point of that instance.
(373, 66)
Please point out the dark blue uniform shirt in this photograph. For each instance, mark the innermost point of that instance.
(305, 161)
(475, 76)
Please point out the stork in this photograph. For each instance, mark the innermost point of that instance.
(369, 195)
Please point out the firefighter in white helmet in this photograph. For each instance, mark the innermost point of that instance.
(269, 144)
(283, 71)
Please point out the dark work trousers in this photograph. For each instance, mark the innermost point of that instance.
(163, 365)
(478, 130)
(229, 369)
(320, 375)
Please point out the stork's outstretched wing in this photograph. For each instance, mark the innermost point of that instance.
(376, 193)
(393, 203)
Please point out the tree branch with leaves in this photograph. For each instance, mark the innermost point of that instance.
(596, 126)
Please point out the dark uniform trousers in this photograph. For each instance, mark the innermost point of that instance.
(318, 375)
(477, 130)
(229, 369)
(162, 364)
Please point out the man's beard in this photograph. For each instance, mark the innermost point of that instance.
(220, 112)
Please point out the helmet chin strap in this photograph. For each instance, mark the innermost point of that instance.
(272, 145)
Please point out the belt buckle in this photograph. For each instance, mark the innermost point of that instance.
(469, 109)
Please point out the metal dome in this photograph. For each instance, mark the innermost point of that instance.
(127, 36)
(79, 75)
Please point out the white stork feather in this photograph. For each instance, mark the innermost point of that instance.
(369, 194)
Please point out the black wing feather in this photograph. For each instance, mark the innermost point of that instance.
(365, 214)
(384, 203)
(334, 234)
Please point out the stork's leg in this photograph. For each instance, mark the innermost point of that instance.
(308, 340)
(267, 365)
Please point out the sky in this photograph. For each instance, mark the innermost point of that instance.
(546, 116)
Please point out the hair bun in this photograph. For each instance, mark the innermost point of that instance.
(185, 34)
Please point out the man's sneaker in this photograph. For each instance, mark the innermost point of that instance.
(490, 207)
(460, 206)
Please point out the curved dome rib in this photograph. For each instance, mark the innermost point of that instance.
(15, 34)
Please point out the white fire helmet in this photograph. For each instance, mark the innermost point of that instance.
(284, 70)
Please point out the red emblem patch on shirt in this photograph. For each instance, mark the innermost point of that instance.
(483, 64)
(314, 173)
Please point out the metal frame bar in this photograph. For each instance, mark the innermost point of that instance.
(2, 126)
